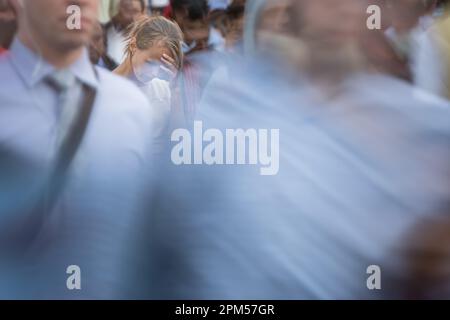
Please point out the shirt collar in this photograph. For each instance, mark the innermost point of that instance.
(84, 70)
(33, 68)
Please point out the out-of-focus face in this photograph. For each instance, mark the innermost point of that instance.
(405, 14)
(275, 16)
(6, 12)
(46, 21)
(129, 12)
(196, 30)
(179, 16)
(330, 33)
(333, 21)
(235, 31)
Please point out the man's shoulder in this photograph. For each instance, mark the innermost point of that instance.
(122, 93)
(119, 87)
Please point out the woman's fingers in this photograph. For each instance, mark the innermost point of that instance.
(167, 60)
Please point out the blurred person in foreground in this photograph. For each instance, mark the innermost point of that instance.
(73, 146)
(116, 30)
(363, 160)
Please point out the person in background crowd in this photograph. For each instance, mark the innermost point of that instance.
(217, 13)
(157, 7)
(411, 36)
(431, 55)
(129, 12)
(192, 17)
(63, 201)
(234, 24)
(153, 59)
(442, 38)
(8, 25)
(107, 10)
(97, 49)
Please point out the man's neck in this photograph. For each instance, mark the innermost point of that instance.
(59, 59)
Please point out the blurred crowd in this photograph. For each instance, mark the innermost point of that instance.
(87, 118)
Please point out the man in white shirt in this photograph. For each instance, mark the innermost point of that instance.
(89, 222)
(129, 12)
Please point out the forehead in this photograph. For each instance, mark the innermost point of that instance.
(156, 52)
(195, 24)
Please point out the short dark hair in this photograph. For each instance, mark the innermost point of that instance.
(195, 9)
(143, 4)
(236, 9)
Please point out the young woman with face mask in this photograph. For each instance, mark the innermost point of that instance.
(153, 59)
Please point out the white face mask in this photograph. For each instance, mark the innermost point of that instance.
(147, 72)
(151, 70)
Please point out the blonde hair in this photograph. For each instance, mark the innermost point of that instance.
(150, 31)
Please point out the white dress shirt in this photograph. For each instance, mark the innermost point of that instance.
(116, 44)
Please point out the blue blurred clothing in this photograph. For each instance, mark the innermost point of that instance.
(359, 167)
(94, 213)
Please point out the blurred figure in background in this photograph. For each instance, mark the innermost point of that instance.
(129, 12)
(412, 37)
(107, 9)
(8, 25)
(353, 144)
(157, 7)
(234, 24)
(63, 202)
(217, 14)
(192, 17)
(440, 36)
(97, 49)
